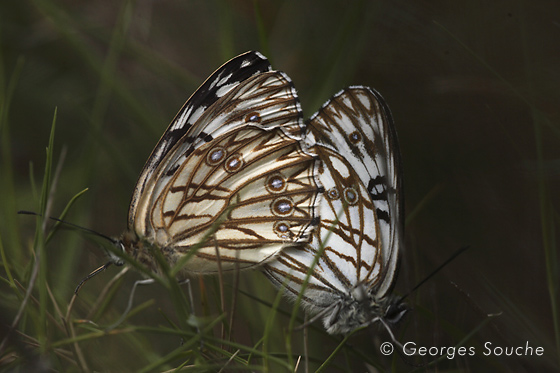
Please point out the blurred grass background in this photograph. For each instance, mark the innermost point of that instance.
(474, 90)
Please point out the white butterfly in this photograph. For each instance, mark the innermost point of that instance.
(356, 246)
(230, 174)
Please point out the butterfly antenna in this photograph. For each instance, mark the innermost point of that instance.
(112, 240)
(95, 272)
(434, 272)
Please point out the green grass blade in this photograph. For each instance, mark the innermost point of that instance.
(57, 225)
(40, 252)
(7, 184)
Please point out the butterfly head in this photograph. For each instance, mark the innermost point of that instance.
(140, 249)
(362, 307)
(116, 260)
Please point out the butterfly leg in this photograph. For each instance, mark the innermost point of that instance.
(395, 341)
(130, 299)
(191, 311)
(191, 298)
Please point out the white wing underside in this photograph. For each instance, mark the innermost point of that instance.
(359, 241)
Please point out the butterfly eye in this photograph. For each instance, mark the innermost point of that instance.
(333, 194)
(283, 206)
(234, 163)
(355, 137)
(216, 156)
(253, 117)
(276, 184)
(351, 196)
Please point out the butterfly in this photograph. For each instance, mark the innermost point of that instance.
(348, 268)
(231, 179)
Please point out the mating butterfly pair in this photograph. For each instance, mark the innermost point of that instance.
(239, 178)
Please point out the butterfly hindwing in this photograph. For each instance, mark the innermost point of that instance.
(259, 184)
(355, 248)
(345, 243)
(358, 124)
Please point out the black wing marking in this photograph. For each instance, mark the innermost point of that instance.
(224, 79)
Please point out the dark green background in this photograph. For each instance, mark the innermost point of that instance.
(474, 90)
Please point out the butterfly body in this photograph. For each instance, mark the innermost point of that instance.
(357, 308)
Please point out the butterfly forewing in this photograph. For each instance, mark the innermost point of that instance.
(207, 178)
(220, 82)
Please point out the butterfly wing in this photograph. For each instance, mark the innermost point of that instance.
(358, 124)
(345, 245)
(230, 174)
(358, 238)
